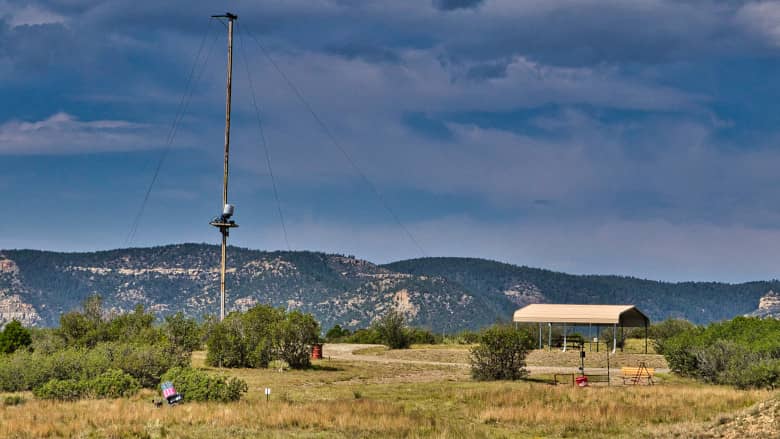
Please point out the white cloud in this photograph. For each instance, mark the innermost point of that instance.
(762, 19)
(62, 133)
(29, 14)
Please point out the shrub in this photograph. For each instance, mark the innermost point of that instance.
(364, 336)
(13, 337)
(197, 385)
(663, 331)
(146, 363)
(261, 335)
(422, 336)
(336, 333)
(182, 332)
(63, 390)
(113, 384)
(500, 354)
(13, 400)
(391, 329)
(744, 352)
(24, 370)
(463, 337)
(295, 336)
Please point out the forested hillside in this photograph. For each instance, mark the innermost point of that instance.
(699, 302)
(442, 294)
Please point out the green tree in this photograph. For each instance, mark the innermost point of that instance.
(336, 333)
(13, 337)
(500, 354)
(260, 335)
(182, 332)
(392, 330)
(295, 336)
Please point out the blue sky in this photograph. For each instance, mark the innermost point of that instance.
(635, 137)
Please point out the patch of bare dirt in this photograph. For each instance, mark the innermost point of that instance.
(759, 421)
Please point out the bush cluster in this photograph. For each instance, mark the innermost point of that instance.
(25, 370)
(14, 336)
(500, 354)
(110, 384)
(260, 335)
(390, 330)
(94, 354)
(196, 385)
(744, 352)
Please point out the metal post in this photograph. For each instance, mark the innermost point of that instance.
(222, 223)
(227, 168)
(614, 338)
(564, 337)
(228, 97)
(540, 335)
(622, 338)
(645, 337)
(549, 336)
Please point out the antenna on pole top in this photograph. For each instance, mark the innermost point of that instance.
(224, 222)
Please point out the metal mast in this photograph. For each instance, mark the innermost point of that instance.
(223, 222)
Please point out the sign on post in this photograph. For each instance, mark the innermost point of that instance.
(267, 393)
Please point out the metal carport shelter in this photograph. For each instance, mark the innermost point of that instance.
(614, 315)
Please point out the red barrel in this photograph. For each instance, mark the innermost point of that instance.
(581, 381)
(316, 351)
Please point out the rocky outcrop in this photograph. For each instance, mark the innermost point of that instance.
(523, 294)
(768, 306)
(13, 308)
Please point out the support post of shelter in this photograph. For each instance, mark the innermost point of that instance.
(645, 337)
(614, 338)
(540, 335)
(549, 336)
(564, 337)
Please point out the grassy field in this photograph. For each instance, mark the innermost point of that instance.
(363, 399)
(632, 355)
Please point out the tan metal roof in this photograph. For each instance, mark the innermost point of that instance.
(627, 315)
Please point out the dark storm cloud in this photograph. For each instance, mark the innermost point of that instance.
(511, 126)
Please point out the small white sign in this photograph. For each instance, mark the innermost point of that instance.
(267, 390)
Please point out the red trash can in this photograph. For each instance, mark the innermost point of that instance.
(316, 351)
(582, 381)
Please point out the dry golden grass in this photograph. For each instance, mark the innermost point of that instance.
(362, 399)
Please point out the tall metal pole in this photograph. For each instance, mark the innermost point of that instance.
(223, 222)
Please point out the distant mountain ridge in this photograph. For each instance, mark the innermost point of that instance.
(443, 294)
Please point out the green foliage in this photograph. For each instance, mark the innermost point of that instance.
(91, 326)
(261, 335)
(113, 384)
(364, 336)
(295, 336)
(13, 337)
(462, 337)
(744, 352)
(110, 384)
(182, 332)
(25, 370)
(391, 329)
(13, 400)
(663, 331)
(336, 333)
(500, 354)
(62, 390)
(422, 336)
(197, 385)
